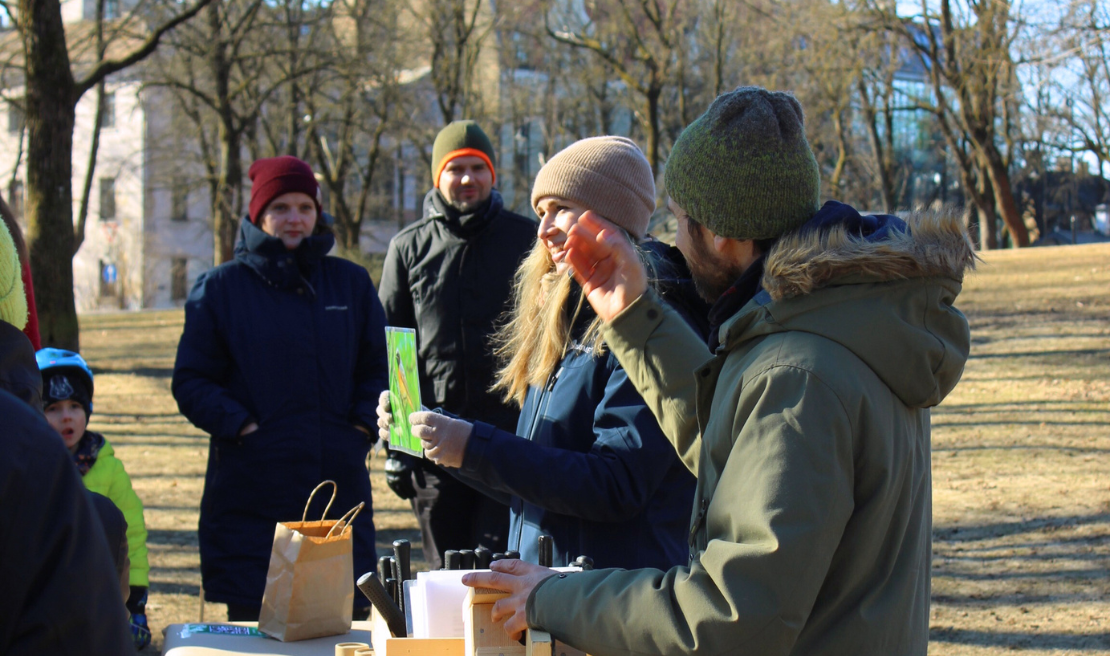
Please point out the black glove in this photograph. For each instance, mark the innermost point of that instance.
(398, 474)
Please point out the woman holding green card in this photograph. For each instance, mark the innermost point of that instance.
(588, 465)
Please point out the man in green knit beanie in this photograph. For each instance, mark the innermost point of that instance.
(806, 421)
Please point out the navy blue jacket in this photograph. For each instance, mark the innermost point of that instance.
(295, 341)
(594, 470)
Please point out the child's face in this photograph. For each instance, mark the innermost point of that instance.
(68, 418)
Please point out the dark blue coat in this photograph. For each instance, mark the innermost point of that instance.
(594, 471)
(295, 341)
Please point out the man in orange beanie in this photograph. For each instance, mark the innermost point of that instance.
(449, 276)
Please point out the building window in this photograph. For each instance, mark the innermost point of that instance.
(111, 9)
(108, 115)
(178, 279)
(179, 210)
(17, 120)
(107, 199)
(109, 280)
(15, 198)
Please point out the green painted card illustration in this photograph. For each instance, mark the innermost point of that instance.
(404, 388)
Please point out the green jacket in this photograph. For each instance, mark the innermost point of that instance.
(809, 432)
(108, 477)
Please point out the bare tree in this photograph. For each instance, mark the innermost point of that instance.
(640, 39)
(455, 32)
(1081, 80)
(350, 105)
(51, 94)
(967, 50)
(224, 63)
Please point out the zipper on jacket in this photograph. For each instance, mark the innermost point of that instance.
(699, 520)
(541, 404)
(554, 379)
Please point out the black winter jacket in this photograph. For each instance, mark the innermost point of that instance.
(61, 594)
(295, 341)
(451, 280)
(19, 372)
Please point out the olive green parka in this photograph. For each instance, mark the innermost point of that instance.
(809, 432)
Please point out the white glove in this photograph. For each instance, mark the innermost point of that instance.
(443, 438)
(385, 417)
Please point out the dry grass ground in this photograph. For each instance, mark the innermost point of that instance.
(1020, 469)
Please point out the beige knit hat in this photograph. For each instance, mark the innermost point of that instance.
(13, 303)
(609, 175)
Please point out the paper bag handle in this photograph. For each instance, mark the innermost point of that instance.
(344, 522)
(334, 491)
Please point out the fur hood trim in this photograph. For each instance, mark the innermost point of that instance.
(823, 252)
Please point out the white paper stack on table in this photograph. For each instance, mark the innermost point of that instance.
(437, 600)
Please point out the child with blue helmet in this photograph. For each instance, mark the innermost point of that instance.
(67, 384)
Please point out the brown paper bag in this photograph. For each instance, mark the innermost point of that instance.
(310, 583)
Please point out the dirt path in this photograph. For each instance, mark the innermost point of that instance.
(1021, 462)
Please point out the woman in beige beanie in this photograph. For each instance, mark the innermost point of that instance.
(588, 465)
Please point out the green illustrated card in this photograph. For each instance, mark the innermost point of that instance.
(404, 388)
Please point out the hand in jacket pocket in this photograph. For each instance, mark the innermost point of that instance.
(443, 438)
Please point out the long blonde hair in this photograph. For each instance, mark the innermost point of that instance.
(539, 327)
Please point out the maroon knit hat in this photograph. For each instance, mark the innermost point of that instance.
(274, 176)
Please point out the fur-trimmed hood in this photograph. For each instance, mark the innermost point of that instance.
(839, 243)
(880, 286)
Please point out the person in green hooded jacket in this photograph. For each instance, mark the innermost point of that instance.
(807, 422)
(67, 403)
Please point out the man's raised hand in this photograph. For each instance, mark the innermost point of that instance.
(605, 263)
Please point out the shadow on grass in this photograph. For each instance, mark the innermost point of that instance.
(947, 408)
(1041, 354)
(179, 537)
(939, 424)
(149, 372)
(1020, 640)
(1015, 447)
(1001, 529)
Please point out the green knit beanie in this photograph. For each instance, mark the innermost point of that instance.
(460, 139)
(744, 169)
(13, 303)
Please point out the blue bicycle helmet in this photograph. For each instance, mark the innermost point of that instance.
(54, 360)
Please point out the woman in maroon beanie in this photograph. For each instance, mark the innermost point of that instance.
(281, 361)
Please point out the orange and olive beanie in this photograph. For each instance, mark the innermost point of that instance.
(460, 139)
(744, 169)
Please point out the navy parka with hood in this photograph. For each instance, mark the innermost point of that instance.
(594, 470)
(295, 341)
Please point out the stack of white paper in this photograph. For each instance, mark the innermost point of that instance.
(437, 598)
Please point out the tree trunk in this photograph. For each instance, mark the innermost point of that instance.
(49, 196)
(231, 181)
(841, 153)
(886, 183)
(653, 129)
(988, 236)
(1004, 197)
(988, 228)
(90, 171)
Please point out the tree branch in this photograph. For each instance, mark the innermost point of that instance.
(106, 67)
